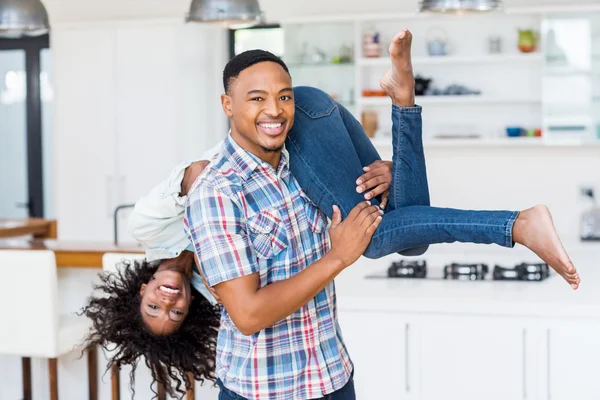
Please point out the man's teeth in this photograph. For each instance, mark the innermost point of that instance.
(271, 126)
(168, 290)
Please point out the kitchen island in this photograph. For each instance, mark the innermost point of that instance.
(71, 254)
(438, 339)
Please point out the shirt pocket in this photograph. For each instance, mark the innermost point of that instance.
(267, 233)
(317, 220)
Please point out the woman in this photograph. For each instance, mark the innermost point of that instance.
(328, 150)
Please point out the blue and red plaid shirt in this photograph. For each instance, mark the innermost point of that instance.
(243, 217)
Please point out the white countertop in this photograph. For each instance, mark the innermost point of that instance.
(550, 298)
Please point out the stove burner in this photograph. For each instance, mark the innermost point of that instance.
(408, 269)
(522, 272)
(465, 272)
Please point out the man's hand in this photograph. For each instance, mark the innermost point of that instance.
(191, 174)
(210, 289)
(377, 179)
(350, 237)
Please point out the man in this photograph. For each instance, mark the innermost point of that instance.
(263, 246)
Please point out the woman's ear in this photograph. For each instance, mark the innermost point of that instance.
(143, 289)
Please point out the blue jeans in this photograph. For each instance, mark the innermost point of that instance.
(345, 393)
(328, 149)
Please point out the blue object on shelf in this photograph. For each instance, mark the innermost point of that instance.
(513, 131)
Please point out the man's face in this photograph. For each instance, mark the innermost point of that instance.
(165, 301)
(260, 104)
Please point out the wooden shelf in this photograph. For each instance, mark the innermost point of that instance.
(445, 60)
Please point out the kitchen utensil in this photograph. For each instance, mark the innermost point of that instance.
(371, 44)
(590, 219)
(528, 39)
(437, 42)
(421, 85)
(369, 122)
(373, 93)
(495, 44)
(514, 131)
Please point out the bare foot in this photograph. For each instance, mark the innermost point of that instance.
(399, 82)
(535, 230)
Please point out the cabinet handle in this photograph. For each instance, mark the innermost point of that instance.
(406, 361)
(109, 197)
(524, 363)
(548, 352)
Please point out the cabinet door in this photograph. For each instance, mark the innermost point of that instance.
(473, 358)
(147, 104)
(379, 345)
(84, 132)
(168, 102)
(573, 361)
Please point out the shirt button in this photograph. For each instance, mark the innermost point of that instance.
(162, 195)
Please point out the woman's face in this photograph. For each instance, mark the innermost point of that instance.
(166, 298)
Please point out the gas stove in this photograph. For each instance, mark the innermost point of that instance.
(531, 272)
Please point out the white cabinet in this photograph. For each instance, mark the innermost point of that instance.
(133, 99)
(573, 361)
(473, 358)
(433, 357)
(85, 126)
(380, 345)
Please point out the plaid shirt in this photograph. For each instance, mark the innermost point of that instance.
(243, 217)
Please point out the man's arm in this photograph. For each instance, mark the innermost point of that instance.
(217, 228)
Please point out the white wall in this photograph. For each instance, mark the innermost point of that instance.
(514, 178)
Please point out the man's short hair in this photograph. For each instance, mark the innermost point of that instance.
(245, 60)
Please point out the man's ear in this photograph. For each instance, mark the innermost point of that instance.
(143, 289)
(226, 103)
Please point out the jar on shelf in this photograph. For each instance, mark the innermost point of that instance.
(369, 121)
(371, 44)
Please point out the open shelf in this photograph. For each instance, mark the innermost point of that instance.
(444, 60)
(449, 100)
(524, 141)
(322, 64)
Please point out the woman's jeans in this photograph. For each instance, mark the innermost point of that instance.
(328, 149)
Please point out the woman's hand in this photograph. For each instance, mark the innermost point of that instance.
(376, 181)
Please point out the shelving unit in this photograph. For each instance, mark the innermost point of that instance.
(511, 83)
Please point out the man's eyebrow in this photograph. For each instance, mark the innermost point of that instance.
(258, 91)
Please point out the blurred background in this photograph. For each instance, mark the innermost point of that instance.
(100, 99)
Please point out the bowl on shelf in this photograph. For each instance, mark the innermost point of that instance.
(514, 131)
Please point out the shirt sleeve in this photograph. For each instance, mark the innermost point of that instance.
(217, 228)
(157, 218)
(159, 213)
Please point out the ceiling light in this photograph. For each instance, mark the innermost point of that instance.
(460, 6)
(23, 18)
(228, 12)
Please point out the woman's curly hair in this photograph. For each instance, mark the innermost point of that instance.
(117, 326)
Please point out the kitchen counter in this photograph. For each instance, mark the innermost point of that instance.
(37, 227)
(71, 253)
(550, 298)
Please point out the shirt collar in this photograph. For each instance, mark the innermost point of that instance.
(245, 163)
